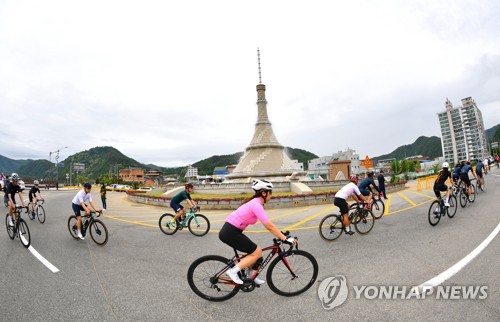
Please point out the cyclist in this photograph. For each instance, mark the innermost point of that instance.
(248, 213)
(78, 205)
(175, 203)
(14, 186)
(364, 187)
(464, 176)
(350, 189)
(456, 172)
(440, 185)
(32, 197)
(486, 167)
(479, 172)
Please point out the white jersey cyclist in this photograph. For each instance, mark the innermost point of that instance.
(82, 196)
(347, 191)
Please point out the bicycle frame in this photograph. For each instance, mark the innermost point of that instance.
(275, 250)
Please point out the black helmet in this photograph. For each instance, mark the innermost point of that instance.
(87, 185)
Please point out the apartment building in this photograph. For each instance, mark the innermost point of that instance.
(462, 132)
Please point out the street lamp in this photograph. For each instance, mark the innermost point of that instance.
(57, 164)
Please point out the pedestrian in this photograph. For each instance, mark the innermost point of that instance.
(381, 183)
(103, 196)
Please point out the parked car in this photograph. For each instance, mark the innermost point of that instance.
(145, 189)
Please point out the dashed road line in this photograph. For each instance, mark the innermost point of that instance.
(40, 257)
(309, 218)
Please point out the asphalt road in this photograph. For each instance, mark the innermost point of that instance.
(141, 273)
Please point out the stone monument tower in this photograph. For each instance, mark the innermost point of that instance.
(265, 157)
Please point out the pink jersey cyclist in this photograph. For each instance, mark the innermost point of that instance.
(249, 213)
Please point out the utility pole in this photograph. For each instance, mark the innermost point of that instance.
(57, 164)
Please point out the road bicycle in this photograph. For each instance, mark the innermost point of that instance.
(198, 224)
(38, 211)
(479, 186)
(464, 194)
(98, 231)
(377, 206)
(20, 228)
(292, 273)
(332, 225)
(438, 209)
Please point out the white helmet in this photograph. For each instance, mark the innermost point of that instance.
(446, 165)
(262, 185)
(21, 185)
(14, 177)
(35, 182)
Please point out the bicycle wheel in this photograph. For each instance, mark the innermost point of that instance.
(10, 229)
(433, 216)
(473, 193)
(452, 209)
(99, 232)
(199, 225)
(364, 221)
(206, 277)
(292, 274)
(72, 227)
(41, 214)
(463, 198)
(166, 226)
(331, 227)
(378, 208)
(24, 233)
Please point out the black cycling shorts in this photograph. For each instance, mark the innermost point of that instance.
(439, 187)
(77, 209)
(342, 204)
(235, 238)
(465, 178)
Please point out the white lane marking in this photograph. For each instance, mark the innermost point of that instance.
(40, 257)
(433, 282)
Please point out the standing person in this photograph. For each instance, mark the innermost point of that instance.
(381, 183)
(440, 185)
(33, 198)
(350, 189)
(78, 205)
(13, 187)
(248, 213)
(175, 203)
(103, 196)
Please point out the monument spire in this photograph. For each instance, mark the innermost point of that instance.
(265, 156)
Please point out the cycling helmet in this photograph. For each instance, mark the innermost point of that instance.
(21, 185)
(264, 185)
(353, 179)
(467, 162)
(370, 173)
(35, 182)
(14, 177)
(87, 185)
(446, 165)
(189, 185)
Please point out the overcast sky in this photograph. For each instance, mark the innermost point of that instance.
(173, 82)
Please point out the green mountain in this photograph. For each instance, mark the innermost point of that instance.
(493, 134)
(35, 169)
(426, 146)
(98, 161)
(7, 166)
